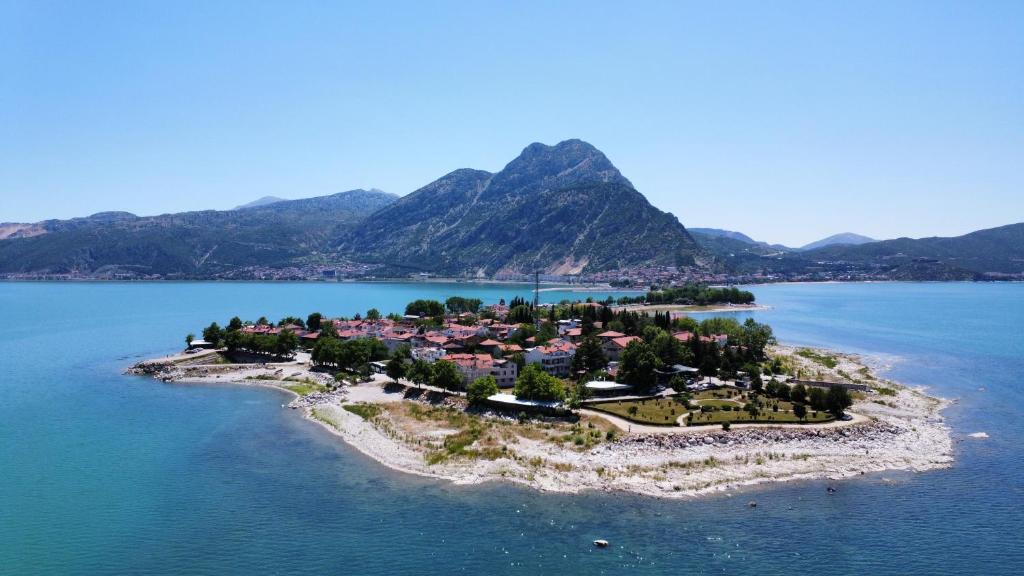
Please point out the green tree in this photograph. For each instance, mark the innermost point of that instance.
(817, 398)
(328, 329)
(424, 308)
(678, 384)
(373, 314)
(638, 364)
(589, 356)
(286, 343)
(458, 305)
(481, 389)
(188, 339)
(536, 384)
(521, 314)
(313, 321)
(838, 401)
(234, 324)
(800, 411)
(445, 374)
(420, 373)
(213, 334)
(798, 393)
(232, 340)
(396, 366)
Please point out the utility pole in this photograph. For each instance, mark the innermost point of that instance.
(536, 299)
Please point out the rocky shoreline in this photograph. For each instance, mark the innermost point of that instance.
(900, 430)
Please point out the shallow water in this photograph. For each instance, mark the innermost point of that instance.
(106, 474)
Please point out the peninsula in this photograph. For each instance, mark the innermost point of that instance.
(579, 395)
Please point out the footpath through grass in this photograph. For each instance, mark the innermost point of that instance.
(656, 411)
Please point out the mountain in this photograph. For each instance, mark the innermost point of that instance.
(189, 244)
(562, 209)
(844, 238)
(719, 233)
(260, 202)
(991, 253)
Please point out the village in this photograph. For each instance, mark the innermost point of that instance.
(660, 369)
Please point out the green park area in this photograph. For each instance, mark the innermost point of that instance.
(714, 407)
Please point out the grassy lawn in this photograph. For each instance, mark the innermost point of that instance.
(661, 411)
(743, 417)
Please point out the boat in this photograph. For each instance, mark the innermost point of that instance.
(601, 543)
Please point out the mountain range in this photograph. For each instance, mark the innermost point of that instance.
(562, 209)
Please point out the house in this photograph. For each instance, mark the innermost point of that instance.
(473, 366)
(428, 353)
(613, 347)
(493, 347)
(574, 335)
(608, 335)
(555, 357)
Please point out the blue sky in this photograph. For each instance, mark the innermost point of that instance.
(788, 121)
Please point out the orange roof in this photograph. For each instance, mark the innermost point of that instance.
(625, 340)
(490, 342)
(610, 334)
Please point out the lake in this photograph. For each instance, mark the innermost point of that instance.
(102, 473)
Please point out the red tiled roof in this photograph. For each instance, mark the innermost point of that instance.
(624, 341)
(610, 334)
(490, 342)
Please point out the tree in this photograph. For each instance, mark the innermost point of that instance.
(234, 324)
(638, 364)
(589, 356)
(817, 398)
(188, 339)
(373, 314)
(458, 305)
(798, 393)
(445, 374)
(677, 384)
(481, 389)
(396, 366)
(755, 337)
(800, 411)
(424, 308)
(286, 343)
(838, 401)
(263, 321)
(313, 321)
(291, 320)
(328, 330)
(420, 373)
(213, 334)
(521, 314)
(536, 384)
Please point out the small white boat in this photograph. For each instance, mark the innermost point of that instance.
(601, 543)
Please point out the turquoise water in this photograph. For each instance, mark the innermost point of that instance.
(106, 474)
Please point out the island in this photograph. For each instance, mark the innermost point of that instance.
(617, 395)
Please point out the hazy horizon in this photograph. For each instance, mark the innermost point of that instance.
(788, 122)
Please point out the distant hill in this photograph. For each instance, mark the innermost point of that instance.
(844, 238)
(719, 233)
(260, 202)
(562, 209)
(189, 244)
(992, 252)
